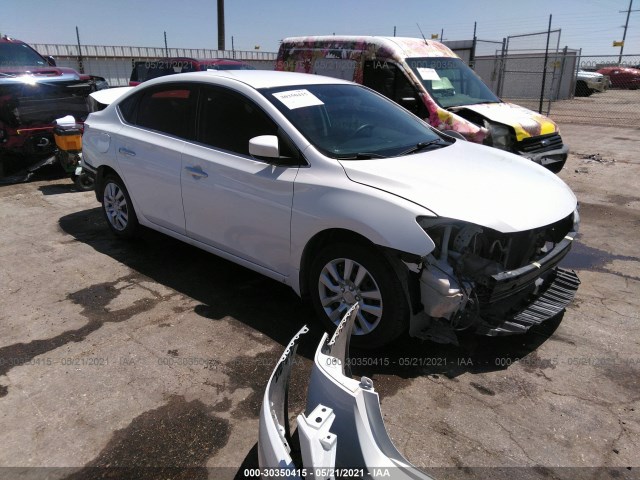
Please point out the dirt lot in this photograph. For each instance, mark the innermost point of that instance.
(153, 353)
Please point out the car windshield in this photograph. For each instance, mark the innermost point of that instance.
(19, 54)
(352, 122)
(450, 82)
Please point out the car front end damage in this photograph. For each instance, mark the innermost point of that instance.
(30, 103)
(341, 433)
(521, 131)
(493, 283)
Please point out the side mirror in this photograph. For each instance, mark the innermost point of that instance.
(50, 60)
(264, 146)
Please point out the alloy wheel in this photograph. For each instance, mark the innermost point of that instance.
(342, 283)
(115, 206)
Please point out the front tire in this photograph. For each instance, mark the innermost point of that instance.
(118, 208)
(342, 274)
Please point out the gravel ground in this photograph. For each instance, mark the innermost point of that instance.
(152, 353)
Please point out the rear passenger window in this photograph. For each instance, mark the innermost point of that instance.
(168, 109)
(127, 108)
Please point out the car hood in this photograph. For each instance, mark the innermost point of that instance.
(526, 123)
(473, 183)
(39, 74)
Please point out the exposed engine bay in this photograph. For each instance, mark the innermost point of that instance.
(481, 279)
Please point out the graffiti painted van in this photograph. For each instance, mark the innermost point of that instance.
(427, 78)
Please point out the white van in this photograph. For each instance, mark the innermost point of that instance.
(427, 78)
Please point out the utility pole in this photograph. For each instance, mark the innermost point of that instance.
(80, 60)
(166, 48)
(220, 24)
(472, 54)
(626, 25)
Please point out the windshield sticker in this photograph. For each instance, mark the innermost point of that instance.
(428, 74)
(298, 98)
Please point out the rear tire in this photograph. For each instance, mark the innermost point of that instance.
(118, 208)
(342, 274)
(84, 182)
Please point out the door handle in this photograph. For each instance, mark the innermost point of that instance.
(196, 172)
(126, 151)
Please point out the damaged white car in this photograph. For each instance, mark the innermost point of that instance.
(340, 193)
(341, 434)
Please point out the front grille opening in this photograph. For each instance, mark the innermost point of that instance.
(542, 143)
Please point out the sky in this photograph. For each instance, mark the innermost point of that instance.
(588, 24)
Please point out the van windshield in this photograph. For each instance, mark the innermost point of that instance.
(450, 82)
(352, 122)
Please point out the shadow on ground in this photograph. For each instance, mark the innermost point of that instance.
(224, 289)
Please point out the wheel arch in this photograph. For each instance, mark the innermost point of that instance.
(395, 258)
(102, 172)
(321, 240)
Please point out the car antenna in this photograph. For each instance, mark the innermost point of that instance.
(425, 40)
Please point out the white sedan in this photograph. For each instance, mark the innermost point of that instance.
(340, 193)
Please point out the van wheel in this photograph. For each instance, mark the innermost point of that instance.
(556, 167)
(343, 274)
(117, 207)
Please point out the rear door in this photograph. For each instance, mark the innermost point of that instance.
(232, 201)
(149, 150)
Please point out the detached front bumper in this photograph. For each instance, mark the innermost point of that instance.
(342, 432)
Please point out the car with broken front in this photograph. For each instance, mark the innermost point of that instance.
(34, 92)
(338, 192)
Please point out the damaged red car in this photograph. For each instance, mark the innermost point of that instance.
(33, 93)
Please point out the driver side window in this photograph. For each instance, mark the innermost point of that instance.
(228, 121)
(386, 78)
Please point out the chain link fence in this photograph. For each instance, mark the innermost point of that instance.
(115, 63)
(518, 69)
(562, 83)
(613, 100)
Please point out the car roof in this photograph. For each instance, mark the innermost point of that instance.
(7, 39)
(254, 78)
(403, 46)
